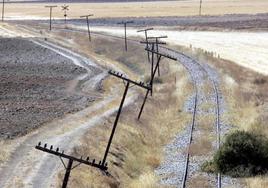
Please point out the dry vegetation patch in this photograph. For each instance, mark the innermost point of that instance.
(137, 148)
(246, 98)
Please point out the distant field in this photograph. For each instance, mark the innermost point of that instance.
(139, 9)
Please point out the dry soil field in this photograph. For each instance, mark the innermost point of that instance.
(139, 9)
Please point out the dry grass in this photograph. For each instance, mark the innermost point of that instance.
(198, 181)
(5, 150)
(138, 9)
(201, 146)
(257, 182)
(137, 148)
(245, 99)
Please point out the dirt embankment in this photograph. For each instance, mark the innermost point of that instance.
(34, 82)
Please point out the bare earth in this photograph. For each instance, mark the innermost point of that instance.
(138, 9)
(35, 86)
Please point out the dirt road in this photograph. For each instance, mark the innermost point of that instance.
(27, 167)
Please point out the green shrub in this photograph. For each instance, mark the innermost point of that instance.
(243, 154)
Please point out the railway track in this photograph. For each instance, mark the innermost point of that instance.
(197, 73)
(194, 78)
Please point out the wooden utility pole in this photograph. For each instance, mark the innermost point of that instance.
(50, 15)
(159, 56)
(88, 30)
(127, 85)
(3, 10)
(157, 46)
(146, 39)
(125, 28)
(200, 8)
(71, 160)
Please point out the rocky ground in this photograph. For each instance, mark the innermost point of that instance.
(34, 82)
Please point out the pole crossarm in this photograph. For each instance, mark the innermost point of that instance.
(161, 54)
(85, 16)
(144, 30)
(52, 6)
(121, 76)
(63, 155)
(159, 37)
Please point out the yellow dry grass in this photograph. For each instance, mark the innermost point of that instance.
(137, 147)
(257, 182)
(198, 181)
(142, 9)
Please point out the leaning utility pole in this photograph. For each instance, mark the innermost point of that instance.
(87, 16)
(69, 167)
(127, 85)
(159, 55)
(152, 45)
(146, 39)
(125, 27)
(102, 165)
(50, 15)
(200, 7)
(157, 47)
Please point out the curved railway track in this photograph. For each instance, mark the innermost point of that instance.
(196, 98)
(195, 107)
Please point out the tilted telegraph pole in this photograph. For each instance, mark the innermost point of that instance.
(128, 82)
(146, 39)
(70, 166)
(102, 165)
(157, 46)
(159, 56)
(50, 15)
(152, 45)
(87, 16)
(125, 27)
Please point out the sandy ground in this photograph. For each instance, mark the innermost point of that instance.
(247, 49)
(139, 9)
